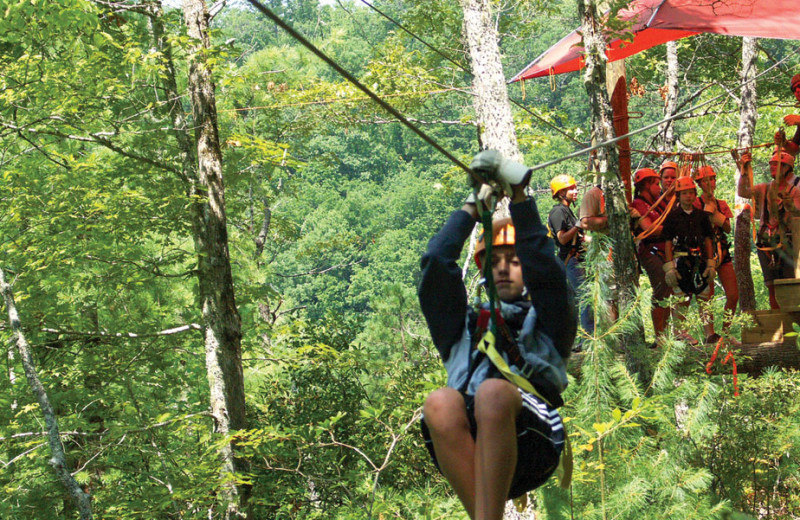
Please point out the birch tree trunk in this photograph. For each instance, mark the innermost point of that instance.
(58, 460)
(492, 108)
(747, 126)
(594, 79)
(667, 130)
(222, 324)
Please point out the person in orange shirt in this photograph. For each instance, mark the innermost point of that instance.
(775, 203)
(793, 146)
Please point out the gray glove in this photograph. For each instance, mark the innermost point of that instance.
(710, 271)
(671, 274)
(492, 166)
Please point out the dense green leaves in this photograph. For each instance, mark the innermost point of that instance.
(330, 204)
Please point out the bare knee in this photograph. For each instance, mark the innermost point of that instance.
(496, 400)
(445, 411)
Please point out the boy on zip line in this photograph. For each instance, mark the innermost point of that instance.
(491, 439)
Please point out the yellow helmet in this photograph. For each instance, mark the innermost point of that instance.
(503, 233)
(560, 182)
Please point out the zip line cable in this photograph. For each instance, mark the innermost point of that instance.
(349, 77)
(465, 69)
(425, 137)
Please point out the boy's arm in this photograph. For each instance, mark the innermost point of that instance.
(442, 295)
(544, 275)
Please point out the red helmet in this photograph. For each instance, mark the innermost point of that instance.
(667, 164)
(643, 174)
(795, 82)
(784, 158)
(684, 183)
(503, 233)
(705, 171)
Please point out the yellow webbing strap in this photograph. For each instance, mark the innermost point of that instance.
(487, 346)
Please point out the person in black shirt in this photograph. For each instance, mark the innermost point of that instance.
(571, 240)
(690, 266)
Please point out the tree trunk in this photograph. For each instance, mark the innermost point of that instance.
(603, 127)
(220, 316)
(667, 130)
(59, 461)
(747, 125)
(492, 107)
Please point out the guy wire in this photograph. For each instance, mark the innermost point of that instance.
(386, 106)
(349, 77)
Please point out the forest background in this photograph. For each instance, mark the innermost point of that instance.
(329, 205)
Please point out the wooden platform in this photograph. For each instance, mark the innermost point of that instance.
(751, 359)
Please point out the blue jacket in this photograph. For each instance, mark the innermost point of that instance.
(547, 330)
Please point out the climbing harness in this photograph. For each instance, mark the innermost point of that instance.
(491, 323)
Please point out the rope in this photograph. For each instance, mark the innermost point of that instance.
(730, 358)
(674, 154)
(297, 36)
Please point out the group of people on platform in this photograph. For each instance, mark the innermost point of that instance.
(684, 245)
(494, 431)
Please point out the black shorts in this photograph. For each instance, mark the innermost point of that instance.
(540, 439)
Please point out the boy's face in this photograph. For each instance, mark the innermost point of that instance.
(653, 188)
(687, 198)
(507, 272)
(775, 165)
(709, 183)
(668, 176)
(570, 194)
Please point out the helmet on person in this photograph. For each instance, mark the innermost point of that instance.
(667, 164)
(643, 174)
(685, 183)
(705, 171)
(795, 82)
(783, 157)
(559, 182)
(503, 234)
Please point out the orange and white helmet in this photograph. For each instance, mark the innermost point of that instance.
(784, 158)
(503, 234)
(684, 183)
(705, 171)
(667, 164)
(559, 182)
(643, 174)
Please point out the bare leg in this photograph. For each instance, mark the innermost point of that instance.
(446, 418)
(660, 316)
(497, 404)
(773, 300)
(727, 277)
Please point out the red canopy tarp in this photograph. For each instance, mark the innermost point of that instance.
(658, 21)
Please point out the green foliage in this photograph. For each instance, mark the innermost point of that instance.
(329, 207)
